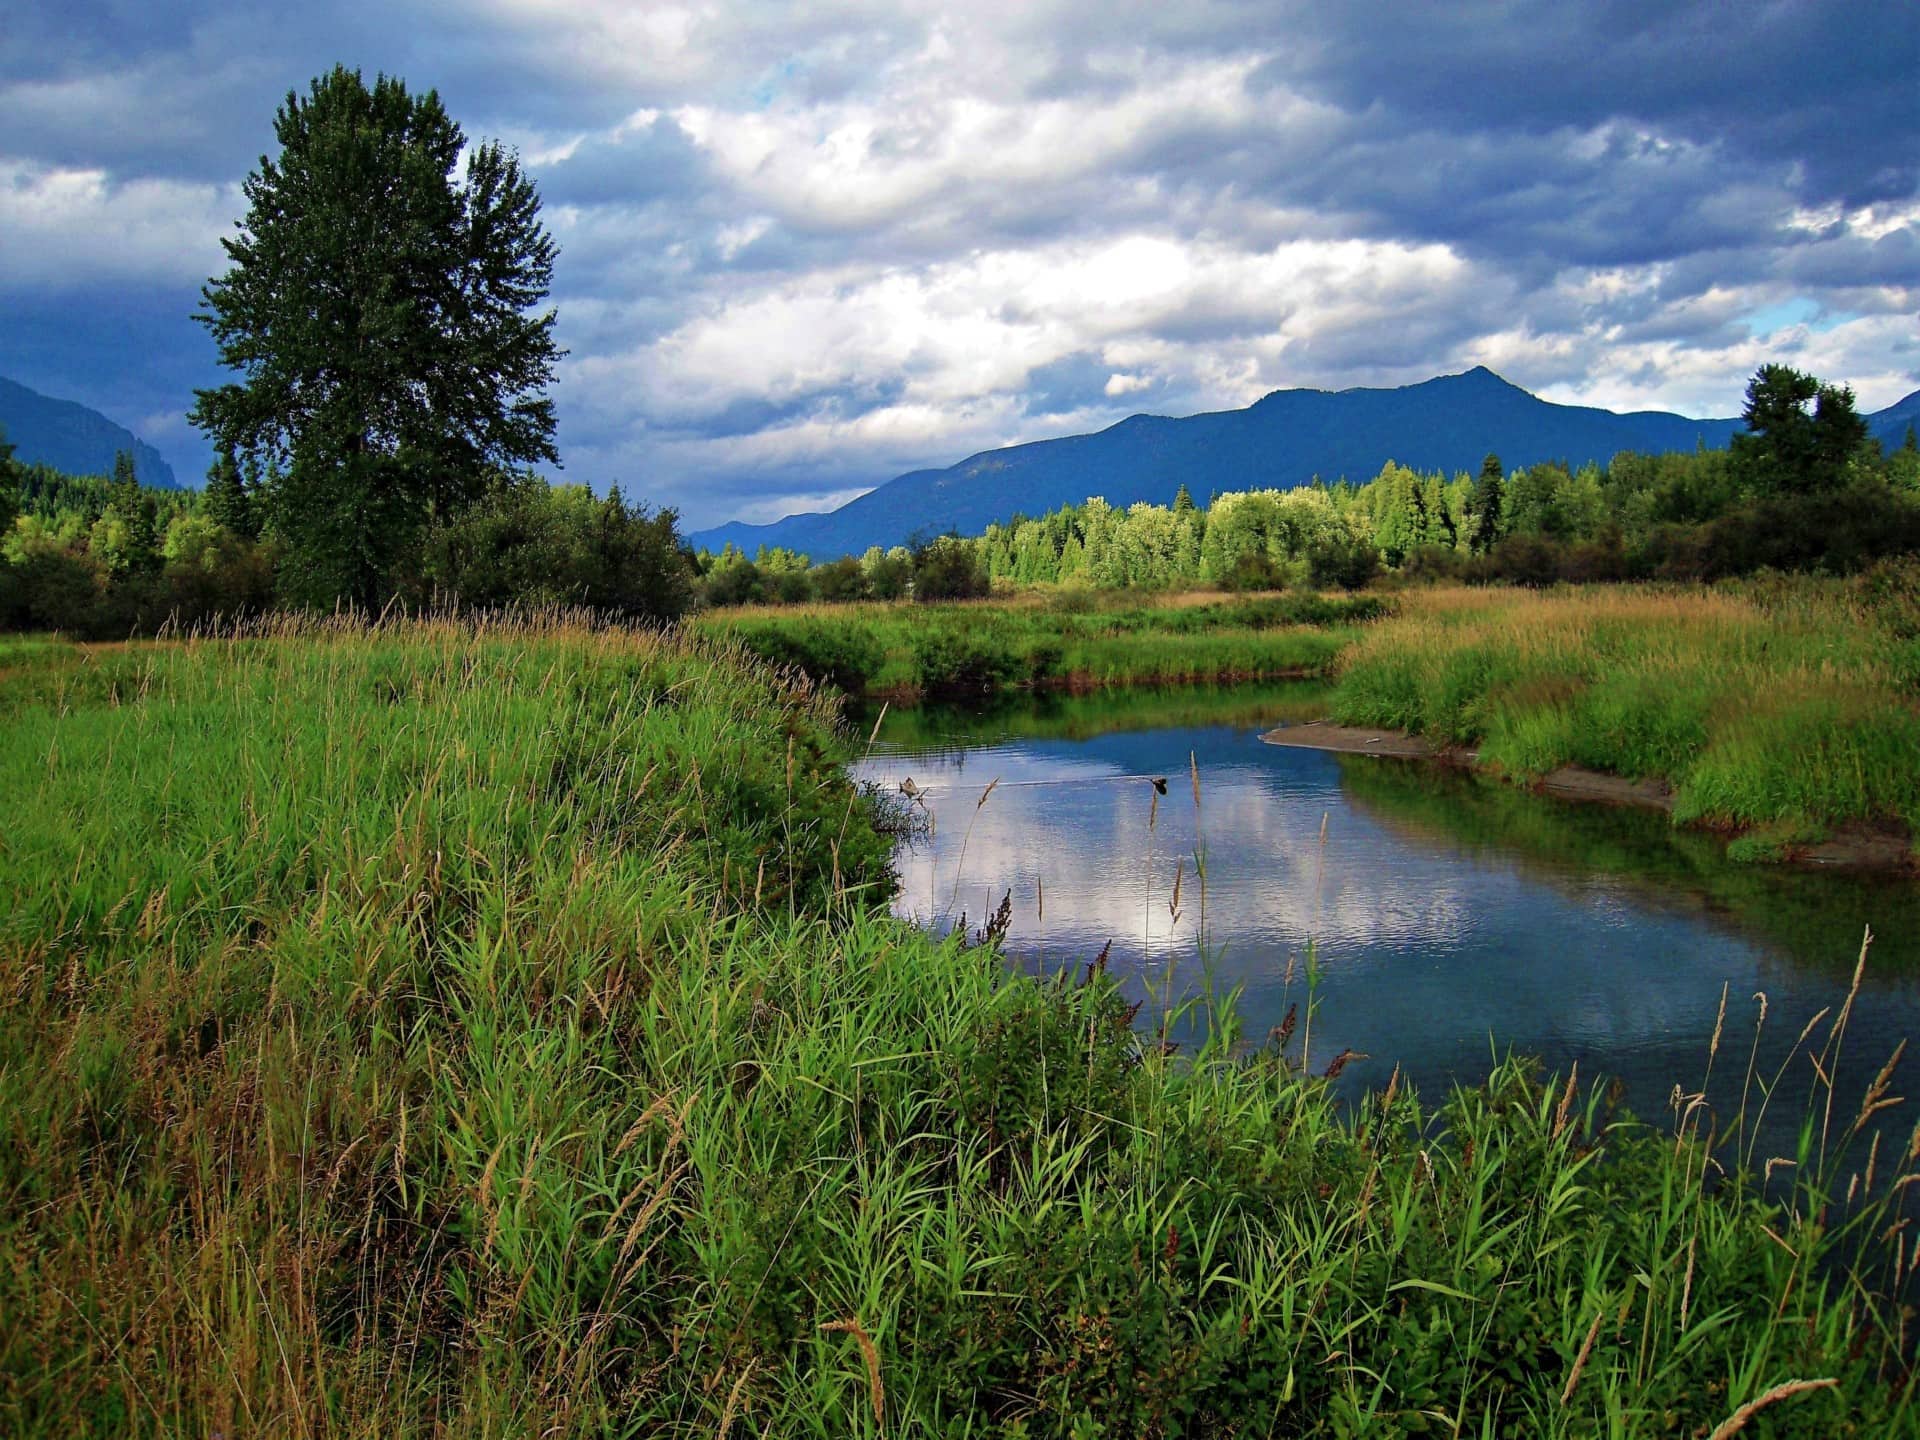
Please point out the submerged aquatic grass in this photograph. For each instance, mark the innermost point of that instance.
(434, 1028)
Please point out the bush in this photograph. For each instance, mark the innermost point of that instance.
(834, 652)
(960, 662)
(737, 584)
(841, 581)
(1252, 570)
(529, 543)
(1531, 560)
(947, 569)
(1343, 561)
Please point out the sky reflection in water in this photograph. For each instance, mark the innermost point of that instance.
(1452, 916)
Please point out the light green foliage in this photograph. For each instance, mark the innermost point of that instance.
(480, 1031)
(1788, 704)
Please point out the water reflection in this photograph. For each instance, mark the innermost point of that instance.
(1448, 916)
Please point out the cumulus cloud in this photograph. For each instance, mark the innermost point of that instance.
(801, 252)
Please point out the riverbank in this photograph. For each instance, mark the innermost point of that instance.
(1782, 714)
(457, 1029)
(1857, 845)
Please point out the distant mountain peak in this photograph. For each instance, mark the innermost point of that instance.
(72, 437)
(1448, 424)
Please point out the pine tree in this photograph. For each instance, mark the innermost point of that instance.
(1486, 506)
(1183, 501)
(229, 501)
(139, 544)
(10, 483)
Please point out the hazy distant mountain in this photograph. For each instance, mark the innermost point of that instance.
(70, 437)
(1445, 424)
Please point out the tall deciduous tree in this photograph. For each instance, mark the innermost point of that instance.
(1801, 434)
(381, 313)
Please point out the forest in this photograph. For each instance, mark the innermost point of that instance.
(103, 556)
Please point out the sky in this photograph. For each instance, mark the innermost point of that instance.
(804, 248)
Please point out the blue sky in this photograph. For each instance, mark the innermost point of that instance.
(805, 248)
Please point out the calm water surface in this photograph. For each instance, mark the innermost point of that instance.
(1449, 917)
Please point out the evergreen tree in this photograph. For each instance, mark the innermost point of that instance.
(10, 482)
(229, 501)
(1183, 499)
(1486, 506)
(136, 534)
(378, 311)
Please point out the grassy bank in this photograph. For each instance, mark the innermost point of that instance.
(1077, 640)
(1788, 707)
(491, 1031)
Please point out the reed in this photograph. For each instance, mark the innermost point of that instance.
(1785, 707)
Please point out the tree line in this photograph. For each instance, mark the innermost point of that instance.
(1805, 488)
(381, 316)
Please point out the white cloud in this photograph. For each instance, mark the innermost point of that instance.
(70, 227)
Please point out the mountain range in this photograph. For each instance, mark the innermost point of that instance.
(68, 436)
(1446, 424)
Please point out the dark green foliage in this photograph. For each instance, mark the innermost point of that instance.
(1486, 507)
(1342, 561)
(842, 580)
(843, 653)
(377, 311)
(948, 569)
(973, 660)
(1253, 570)
(229, 499)
(531, 543)
(9, 484)
(130, 542)
(738, 582)
(889, 575)
(1802, 434)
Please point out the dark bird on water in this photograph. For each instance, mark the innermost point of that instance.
(1159, 784)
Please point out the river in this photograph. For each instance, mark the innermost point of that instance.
(1434, 918)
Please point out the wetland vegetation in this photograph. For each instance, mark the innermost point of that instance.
(440, 1027)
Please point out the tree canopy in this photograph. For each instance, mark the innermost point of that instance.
(379, 311)
(1801, 433)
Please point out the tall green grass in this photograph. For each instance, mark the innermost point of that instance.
(1788, 705)
(434, 1029)
(1075, 642)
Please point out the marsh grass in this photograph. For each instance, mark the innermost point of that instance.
(1786, 705)
(977, 648)
(494, 1029)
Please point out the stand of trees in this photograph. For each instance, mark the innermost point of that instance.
(100, 558)
(1804, 489)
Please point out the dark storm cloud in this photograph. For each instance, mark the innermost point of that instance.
(801, 252)
(1789, 85)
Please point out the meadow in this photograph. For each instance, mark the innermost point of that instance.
(1781, 707)
(495, 1028)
